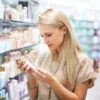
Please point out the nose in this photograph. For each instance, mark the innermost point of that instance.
(46, 40)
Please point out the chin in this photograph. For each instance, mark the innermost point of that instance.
(51, 48)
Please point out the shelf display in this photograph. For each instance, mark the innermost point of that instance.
(16, 39)
(88, 33)
(19, 38)
(12, 23)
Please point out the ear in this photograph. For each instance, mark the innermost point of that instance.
(64, 29)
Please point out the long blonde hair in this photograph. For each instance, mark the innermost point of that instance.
(70, 46)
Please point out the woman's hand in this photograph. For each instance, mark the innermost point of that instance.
(37, 73)
(24, 65)
(43, 75)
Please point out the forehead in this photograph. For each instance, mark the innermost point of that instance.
(46, 29)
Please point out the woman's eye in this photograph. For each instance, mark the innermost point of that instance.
(48, 35)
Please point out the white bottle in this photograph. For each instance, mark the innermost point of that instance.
(1, 10)
(13, 65)
(14, 90)
(19, 11)
(6, 66)
(24, 11)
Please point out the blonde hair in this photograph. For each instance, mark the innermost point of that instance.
(70, 46)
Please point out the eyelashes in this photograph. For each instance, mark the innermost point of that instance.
(47, 35)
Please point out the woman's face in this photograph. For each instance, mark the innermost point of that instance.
(53, 36)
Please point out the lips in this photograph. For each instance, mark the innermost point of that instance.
(49, 45)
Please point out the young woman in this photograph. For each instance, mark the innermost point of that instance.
(63, 71)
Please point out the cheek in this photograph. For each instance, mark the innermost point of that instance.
(58, 40)
(61, 40)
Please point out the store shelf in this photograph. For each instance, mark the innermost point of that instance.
(88, 33)
(9, 23)
(10, 80)
(22, 48)
(17, 36)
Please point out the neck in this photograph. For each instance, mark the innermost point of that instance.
(57, 52)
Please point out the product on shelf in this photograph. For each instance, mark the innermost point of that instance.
(2, 82)
(6, 65)
(17, 38)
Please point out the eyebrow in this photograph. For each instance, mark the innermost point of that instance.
(47, 33)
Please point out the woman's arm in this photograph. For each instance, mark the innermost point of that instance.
(62, 92)
(32, 86)
(65, 94)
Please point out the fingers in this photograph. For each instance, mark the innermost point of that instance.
(23, 65)
(39, 74)
(42, 73)
(28, 69)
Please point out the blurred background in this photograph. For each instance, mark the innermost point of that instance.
(19, 36)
